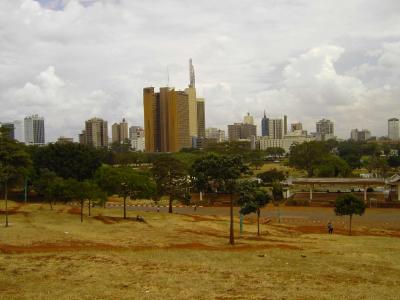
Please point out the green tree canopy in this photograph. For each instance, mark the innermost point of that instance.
(70, 160)
(307, 156)
(14, 164)
(270, 176)
(349, 205)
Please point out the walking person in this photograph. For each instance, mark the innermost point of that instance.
(330, 227)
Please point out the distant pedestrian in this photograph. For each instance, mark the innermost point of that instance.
(330, 227)
(158, 208)
(195, 207)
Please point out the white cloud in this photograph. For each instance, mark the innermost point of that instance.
(70, 60)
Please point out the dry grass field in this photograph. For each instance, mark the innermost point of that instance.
(48, 254)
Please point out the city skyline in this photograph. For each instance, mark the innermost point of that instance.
(343, 70)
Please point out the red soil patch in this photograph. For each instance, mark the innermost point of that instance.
(14, 210)
(74, 211)
(55, 247)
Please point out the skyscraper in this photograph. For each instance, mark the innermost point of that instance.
(360, 135)
(264, 125)
(239, 131)
(296, 126)
(276, 128)
(248, 119)
(96, 132)
(393, 129)
(325, 130)
(201, 120)
(192, 82)
(136, 132)
(285, 125)
(34, 130)
(10, 129)
(166, 120)
(119, 132)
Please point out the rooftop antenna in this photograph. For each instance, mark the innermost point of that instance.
(167, 76)
(192, 82)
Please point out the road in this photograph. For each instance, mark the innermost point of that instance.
(385, 218)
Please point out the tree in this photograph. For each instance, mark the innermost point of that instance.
(126, 182)
(14, 164)
(47, 185)
(307, 156)
(349, 205)
(171, 178)
(394, 161)
(333, 166)
(270, 176)
(256, 159)
(220, 171)
(70, 160)
(252, 199)
(275, 152)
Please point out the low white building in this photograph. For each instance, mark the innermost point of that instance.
(295, 137)
(138, 144)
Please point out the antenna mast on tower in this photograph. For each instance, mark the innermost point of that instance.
(192, 77)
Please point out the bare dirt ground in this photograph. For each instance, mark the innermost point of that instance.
(48, 254)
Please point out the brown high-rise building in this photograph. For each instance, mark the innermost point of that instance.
(240, 131)
(201, 118)
(166, 120)
(119, 132)
(96, 132)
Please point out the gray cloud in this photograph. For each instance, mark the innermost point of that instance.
(70, 60)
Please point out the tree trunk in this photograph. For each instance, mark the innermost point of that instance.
(258, 221)
(6, 200)
(231, 232)
(51, 204)
(90, 204)
(351, 217)
(124, 207)
(81, 211)
(170, 204)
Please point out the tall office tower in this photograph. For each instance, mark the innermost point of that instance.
(393, 129)
(34, 130)
(82, 137)
(360, 135)
(215, 134)
(296, 126)
(119, 132)
(325, 130)
(96, 132)
(276, 128)
(239, 131)
(201, 118)
(136, 132)
(166, 120)
(248, 119)
(191, 92)
(264, 125)
(284, 125)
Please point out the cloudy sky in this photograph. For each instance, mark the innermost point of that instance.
(71, 60)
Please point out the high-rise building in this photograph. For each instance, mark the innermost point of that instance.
(191, 93)
(393, 129)
(136, 132)
(240, 131)
(34, 130)
(166, 120)
(296, 126)
(201, 118)
(276, 128)
(215, 134)
(96, 132)
(82, 137)
(325, 130)
(360, 136)
(285, 131)
(248, 119)
(119, 132)
(265, 125)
